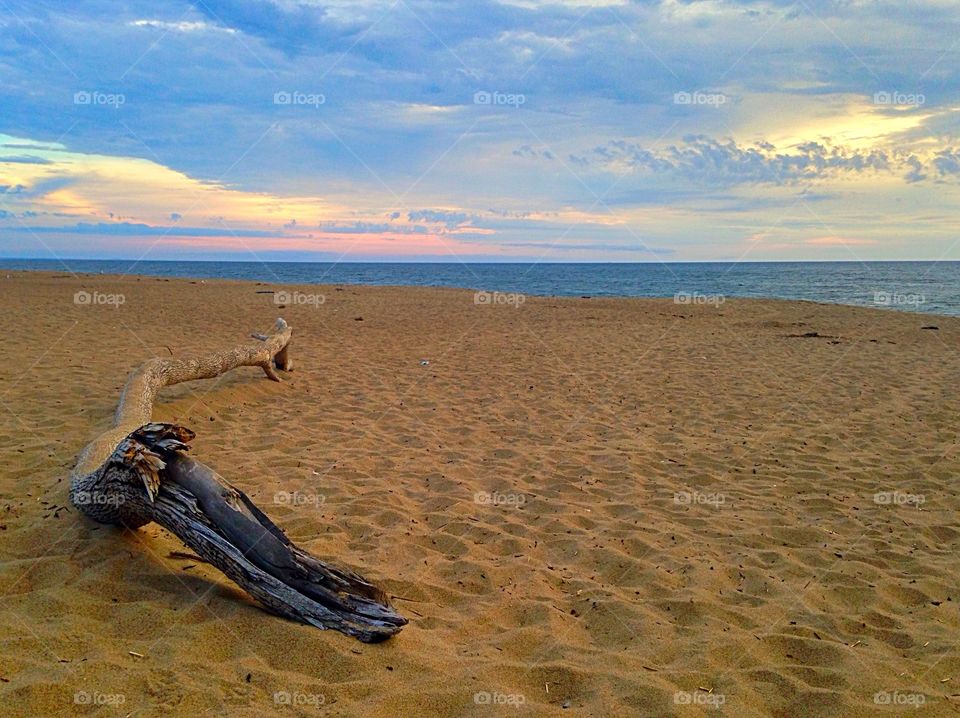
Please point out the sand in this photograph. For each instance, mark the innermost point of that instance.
(592, 507)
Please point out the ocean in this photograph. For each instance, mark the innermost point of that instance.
(929, 287)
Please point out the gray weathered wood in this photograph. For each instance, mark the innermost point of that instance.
(138, 472)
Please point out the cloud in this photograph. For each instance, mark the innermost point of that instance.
(24, 160)
(706, 160)
(447, 218)
(180, 26)
(291, 27)
(43, 187)
(594, 246)
(372, 228)
(947, 162)
(530, 152)
(598, 146)
(131, 229)
(831, 241)
(724, 163)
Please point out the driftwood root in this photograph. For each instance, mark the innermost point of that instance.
(138, 472)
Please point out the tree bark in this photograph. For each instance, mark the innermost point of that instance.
(138, 472)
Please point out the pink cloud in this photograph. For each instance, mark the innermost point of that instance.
(834, 241)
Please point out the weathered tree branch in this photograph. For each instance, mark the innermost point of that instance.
(137, 472)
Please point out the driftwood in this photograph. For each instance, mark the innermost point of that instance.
(138, 472)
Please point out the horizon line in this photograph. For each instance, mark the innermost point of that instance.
(136, 261)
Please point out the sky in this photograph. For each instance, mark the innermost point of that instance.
(480, 130)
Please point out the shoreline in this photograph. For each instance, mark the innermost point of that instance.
(724, 299)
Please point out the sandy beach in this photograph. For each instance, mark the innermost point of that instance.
(584, 506)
